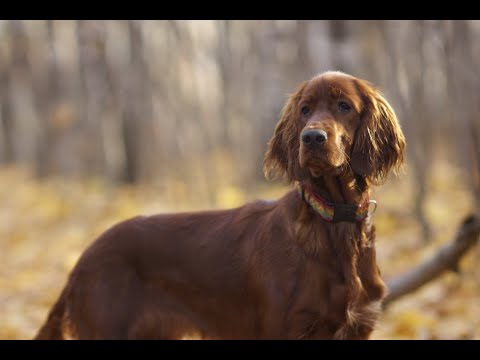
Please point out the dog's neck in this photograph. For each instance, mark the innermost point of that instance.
(343, 243)
(344, 189)
(347, 189)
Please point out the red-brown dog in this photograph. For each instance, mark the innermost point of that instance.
(302, 267)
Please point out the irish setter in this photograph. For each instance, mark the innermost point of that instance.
(301, 267)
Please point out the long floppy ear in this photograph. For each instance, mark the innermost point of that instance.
(379, 143)
(281, 157)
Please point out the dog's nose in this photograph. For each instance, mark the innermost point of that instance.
(314, 137)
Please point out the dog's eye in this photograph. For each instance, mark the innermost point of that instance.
(305, 110)
(343, 106)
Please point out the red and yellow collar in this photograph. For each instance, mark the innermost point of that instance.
(335, 213)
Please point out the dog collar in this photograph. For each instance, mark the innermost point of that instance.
(336, 213)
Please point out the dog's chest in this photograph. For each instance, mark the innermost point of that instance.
(351, 312)
(357, 316)
(341, 291)
(336, 307)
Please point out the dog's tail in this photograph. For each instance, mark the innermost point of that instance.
(52, 329)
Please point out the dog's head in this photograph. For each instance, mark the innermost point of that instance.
(333, 123)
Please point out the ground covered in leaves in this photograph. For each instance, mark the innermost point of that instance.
(45, 225)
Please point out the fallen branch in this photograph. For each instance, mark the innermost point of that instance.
(446, 258)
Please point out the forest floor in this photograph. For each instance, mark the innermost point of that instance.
(45, 225)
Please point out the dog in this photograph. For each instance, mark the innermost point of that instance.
(301, 267)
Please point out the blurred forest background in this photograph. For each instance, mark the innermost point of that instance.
(104, 120)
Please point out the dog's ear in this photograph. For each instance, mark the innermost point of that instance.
(379, 142)
(281, 158)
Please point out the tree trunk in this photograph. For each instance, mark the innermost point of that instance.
(446, 258)
(7, 154)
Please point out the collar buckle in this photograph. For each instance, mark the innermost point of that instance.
(374, 208)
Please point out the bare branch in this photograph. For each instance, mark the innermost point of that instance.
(446, 258)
